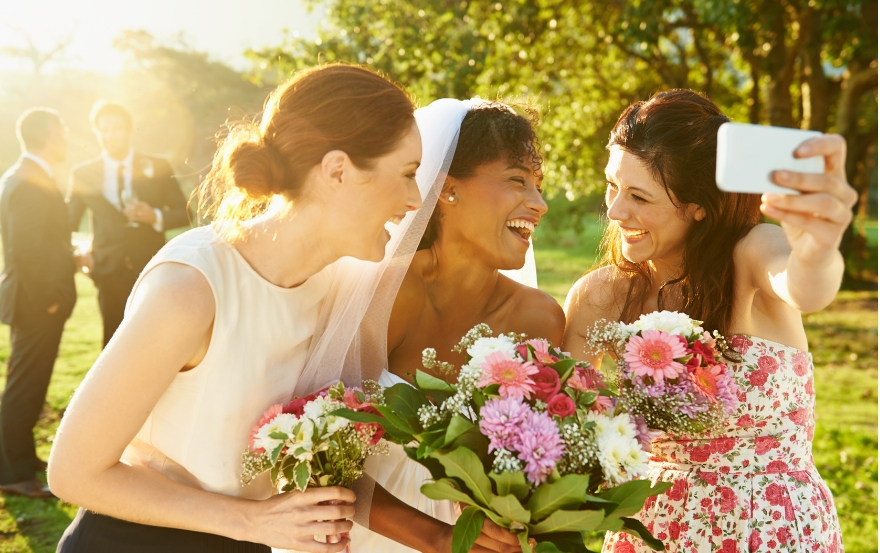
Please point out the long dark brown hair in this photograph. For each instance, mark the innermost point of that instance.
(674, 135)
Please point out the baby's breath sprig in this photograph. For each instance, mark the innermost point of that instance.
(482, 330)
(606, 337)
(517, 338)
(506, 461)
(430, 362)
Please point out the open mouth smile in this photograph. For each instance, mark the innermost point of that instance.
(521, 228)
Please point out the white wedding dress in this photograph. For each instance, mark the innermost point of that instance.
(403, 478)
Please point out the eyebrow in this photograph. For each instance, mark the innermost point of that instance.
(519, 166)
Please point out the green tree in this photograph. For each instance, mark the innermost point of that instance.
(798, 63)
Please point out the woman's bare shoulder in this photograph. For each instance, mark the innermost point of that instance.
(593, 297)
(178, 289)
(537, 313)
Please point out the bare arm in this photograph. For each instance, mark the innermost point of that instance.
(800, 263)
(173, 307)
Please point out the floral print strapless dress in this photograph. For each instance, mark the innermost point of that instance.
(754, 487)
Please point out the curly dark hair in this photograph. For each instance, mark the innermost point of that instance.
(489, 132)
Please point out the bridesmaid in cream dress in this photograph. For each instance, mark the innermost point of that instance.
(469, 267)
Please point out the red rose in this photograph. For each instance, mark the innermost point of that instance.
(799, 416)
(777, 466)
(706, 502)
(800, 476)
(758, 378)
(741, 344)
(800, 364)
(561, 405)
(700, 454)
(716, 531)
(546, 383)
(767, 363)
(755, 541)
(295, 407)
(727, 499)
(745, 421)
(789, 509)
(674, 529)
(709, 477)
(723, 445)
(808, 387)
(677, 491)
(728, 546)
(783, 534)
(624, 547)
(763, 444)
(774, 494)
(702, 350)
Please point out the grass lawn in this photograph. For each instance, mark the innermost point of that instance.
(843, 339)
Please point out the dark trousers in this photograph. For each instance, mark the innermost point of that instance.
(93, 533)
(113, 292)
(35, 338)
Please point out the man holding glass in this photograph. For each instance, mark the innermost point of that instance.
(133, 199)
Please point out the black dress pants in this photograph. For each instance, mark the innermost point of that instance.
(113, 292)
(93, 533)
(35, 338)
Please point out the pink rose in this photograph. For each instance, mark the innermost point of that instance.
(674, 529)
(728, 499)
(677, 491)
(723, 445)
(774, 494)
(800, 363)
(758, 378)
(546, 383)
(799, 416)
(701, 453)
(777, 466)
(624, 547)
(764, 444)
(561, 405)
(755, 541)
(728, 546)
(767, 363)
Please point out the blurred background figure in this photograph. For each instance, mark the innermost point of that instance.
(37, 292)
(132, 199)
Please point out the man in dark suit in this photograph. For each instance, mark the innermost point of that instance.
(37, 291)
(133, 200)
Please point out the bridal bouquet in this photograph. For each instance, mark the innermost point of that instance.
(304, 444)
(670, 372)
(526, 436)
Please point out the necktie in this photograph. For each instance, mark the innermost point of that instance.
(120, 184)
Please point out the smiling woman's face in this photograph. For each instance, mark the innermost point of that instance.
(652, 227)
(494, 211)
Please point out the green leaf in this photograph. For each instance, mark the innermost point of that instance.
(567, 542)
(568, 492)
(568, 521)
(634, 527)
(433, 465)
(473, 440)
(278, 435)
(509, 507)
(273, 475)
(457, 426)
(462, 463)
(301, 474)
(588, 398)
(467, 529)
(445, 489)
(395, 429)
(564, 368)
(511, 483)
(428, 382)
(630, 496)
(277, 453)
(610, 524)
(524, 544)
(479, 398)
(404, 401)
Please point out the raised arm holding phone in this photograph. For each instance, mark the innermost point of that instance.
(676, 242)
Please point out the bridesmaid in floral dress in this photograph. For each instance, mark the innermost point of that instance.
(674, 241)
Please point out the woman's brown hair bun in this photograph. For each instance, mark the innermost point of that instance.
(332, 107)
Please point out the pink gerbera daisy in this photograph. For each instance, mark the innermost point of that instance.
(654, 354)
(511, 375)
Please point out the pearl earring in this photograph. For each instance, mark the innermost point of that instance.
(451, 197)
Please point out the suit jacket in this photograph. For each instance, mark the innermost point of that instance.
(115, 245)
(37, 256)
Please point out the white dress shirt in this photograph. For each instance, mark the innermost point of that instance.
(111, 193)
(41, 162)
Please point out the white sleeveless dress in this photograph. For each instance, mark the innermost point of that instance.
(403, 478)
(196, 433)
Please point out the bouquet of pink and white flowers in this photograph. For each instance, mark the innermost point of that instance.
(670, 371)
(304, 444)
(524, 435)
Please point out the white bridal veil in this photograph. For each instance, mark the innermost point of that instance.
(351, 335)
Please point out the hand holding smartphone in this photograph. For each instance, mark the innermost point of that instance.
(749, 154)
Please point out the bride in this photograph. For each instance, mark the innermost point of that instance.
(481, 160)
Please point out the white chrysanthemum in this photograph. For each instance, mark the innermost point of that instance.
(320, 406)
(486, 346)
(335, 424)
(671, 322)
(604, 424)
(623, 426)
(636, 461)
(283, 423)
(613, 451)
(303, 439)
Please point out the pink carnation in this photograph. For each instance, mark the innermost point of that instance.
(500, 421)
(540, 446)
(511, 375)
(654, 354)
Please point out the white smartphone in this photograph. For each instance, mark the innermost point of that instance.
(748, 155)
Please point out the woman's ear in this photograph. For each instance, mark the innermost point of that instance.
(333, 166)
(447, 196)
(699, 213)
